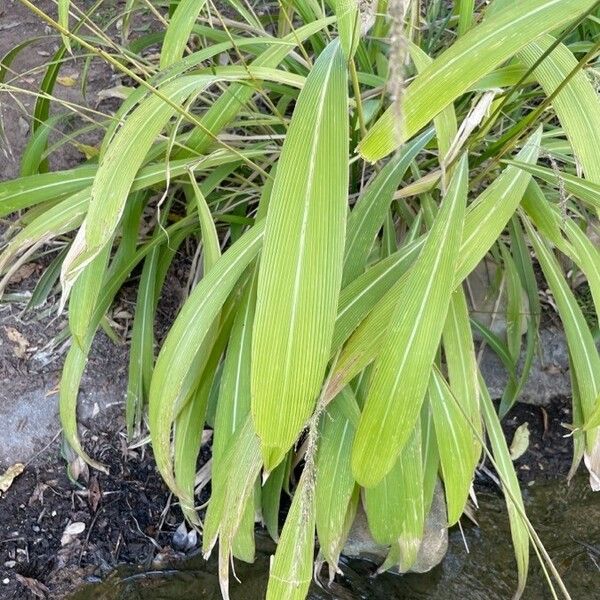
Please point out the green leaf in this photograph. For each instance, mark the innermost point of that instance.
(465, 9)
(455, 444)
(461, 363)
(76, 359)
(182, 354)
(472, 56)
(398, 386)
(335, 490)
(27, 191)
(233, 410)
(582, 349)
(485, 220)
(395, 506)
(189, 423)
(492, 210)
(510, 484)
(348, 22)
(271, 497)
(358, 297)
(585, 190)
(368, 216)
(291, 568)
(230, 503)
(577, 105)
(233, 406)
(63, 20)
(124, 156)
(301, 263)
(228, 104)
(515, 315)
(179, 30)
(445, 122)
(523, 263)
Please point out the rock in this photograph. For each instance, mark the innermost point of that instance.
(361, 545)
(435, 542)
(487, 299)
(549, 375)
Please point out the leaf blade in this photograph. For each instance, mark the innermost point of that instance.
(391, 410)
(301, 264)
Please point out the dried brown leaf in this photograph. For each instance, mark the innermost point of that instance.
(7, 478)
(24, 272)
(71, 532)
(37, 588)
(21, 343)
(95, 494)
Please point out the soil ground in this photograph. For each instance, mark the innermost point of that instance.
(129, 517)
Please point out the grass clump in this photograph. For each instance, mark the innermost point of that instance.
(338, 202)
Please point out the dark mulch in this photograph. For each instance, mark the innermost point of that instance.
(550, 446)
(128, 518)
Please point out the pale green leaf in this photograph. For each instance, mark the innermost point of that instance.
(485, 220)
(301, 263)
(455, 444)
(461, 362)
(181, 355)
(63, 20)
(348, 22)
(178, 31)
(582, 349)
(510, 484)
(577, 105)
(368, 216)
(335, 495)
(585, 190)
(291, 569)
(398, 386)
(395, 506)
(472, 56)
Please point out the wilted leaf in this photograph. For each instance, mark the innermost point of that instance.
(71, 532)
(94, 494)
(520, 441)
(7, 478)
(67, 80)
(37, 588)
(21, 343)
(24, 272)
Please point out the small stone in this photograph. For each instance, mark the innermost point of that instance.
(5, 581)
(360, 543)
(23, 126)
(10, 564)
(36, 529)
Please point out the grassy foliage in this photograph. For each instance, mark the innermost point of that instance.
(329, 330)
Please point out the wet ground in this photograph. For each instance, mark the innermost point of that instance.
(129, 520)
(567, 519)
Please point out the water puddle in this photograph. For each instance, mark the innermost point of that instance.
(567, 518)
